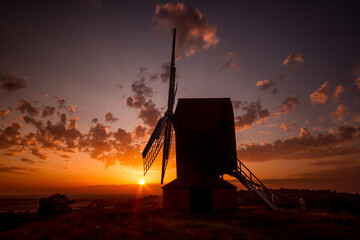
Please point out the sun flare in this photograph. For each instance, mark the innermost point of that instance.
(142, 182)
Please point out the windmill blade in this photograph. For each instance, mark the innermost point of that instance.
(155, 135)
(167, 148)
(154, 145)
(154, 151)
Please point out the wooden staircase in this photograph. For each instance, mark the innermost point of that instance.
(252, 183)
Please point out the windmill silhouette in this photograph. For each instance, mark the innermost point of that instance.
(205, 151)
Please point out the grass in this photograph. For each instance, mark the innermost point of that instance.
(145, 219)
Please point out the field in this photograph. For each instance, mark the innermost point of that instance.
(144, 218)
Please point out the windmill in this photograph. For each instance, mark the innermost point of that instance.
(163, 133)
(205, 151)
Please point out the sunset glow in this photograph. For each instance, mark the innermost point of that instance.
(83, 85)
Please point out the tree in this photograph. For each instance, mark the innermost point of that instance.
(56, 203)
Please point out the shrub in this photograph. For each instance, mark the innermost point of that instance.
(56, 203)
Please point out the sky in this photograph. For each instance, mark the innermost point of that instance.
(84, 82)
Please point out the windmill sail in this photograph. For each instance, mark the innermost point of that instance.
(162, 135)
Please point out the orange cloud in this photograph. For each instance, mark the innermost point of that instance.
(193, 30)
(338, 91)
(344, 141)
(320, 96)
(340, 112)
(293, 59)
(285, 127)
(4, 113)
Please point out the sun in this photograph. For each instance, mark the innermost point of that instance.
(142, 182)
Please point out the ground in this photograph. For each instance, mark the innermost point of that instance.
(144, 218)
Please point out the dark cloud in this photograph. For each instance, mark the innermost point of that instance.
(253, 113)
(109, 117)
(287, 106)
(4, 113)
(274, 91)
(344, 141)
(48, 111)
(141, 91)
(24, 106)
(149, 114)
(236, 104)
(229, 60)
(29, 161)
(10, 135)
(122, 137)
(293, 59)
(29, 120)
(10, 83)
(17, 170)
(140, 131)
(36, 151)
(357, 82)
(320, 96)
(62, 101)
(193, 30)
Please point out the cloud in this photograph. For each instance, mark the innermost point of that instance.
(140, 131)
(230, 58)
(24, 106)
(109, 117)
(357, 82)
(10, 83)
(10, 135)
(48, 111)
(122, 137)
(4, 113)
(193, 30)
(17, 170)
(267, 83)
(141, 91)
(338, 91)
(149, 114)
(62, 101)
(293, 59)
(321, 119)
(340, 112)
(165, 73)
(285, 127)
(304, 134)
(275, 91)
(288, 105)
(344, 141)
(29, 161)
(253, 113)
(236, 104)
(320, 96)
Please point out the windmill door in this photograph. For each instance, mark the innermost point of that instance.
(200, 200)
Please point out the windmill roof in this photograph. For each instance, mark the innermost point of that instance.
(199, 181)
